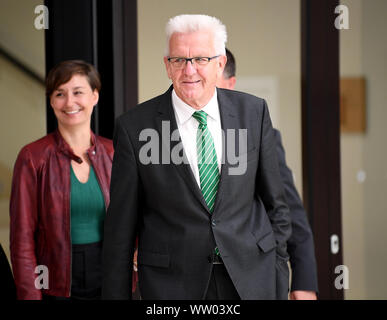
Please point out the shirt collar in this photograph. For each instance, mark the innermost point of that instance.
(184, 111)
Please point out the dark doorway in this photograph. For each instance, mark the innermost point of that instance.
(321, 137)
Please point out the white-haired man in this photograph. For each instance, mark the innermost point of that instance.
(190, 168)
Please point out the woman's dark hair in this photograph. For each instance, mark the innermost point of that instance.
(65, 70)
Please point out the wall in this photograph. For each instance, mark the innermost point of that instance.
(23, 104)
(18, 34)
(374, 55)
(362, 53)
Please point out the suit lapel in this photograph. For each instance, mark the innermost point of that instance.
(228, 119)
(166, 113)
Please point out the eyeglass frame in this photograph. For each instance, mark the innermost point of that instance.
(191, 60)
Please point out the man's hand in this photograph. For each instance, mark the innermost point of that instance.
(303, 295)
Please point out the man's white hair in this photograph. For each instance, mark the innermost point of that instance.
(187, 23)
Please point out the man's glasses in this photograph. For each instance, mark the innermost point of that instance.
(180, 62)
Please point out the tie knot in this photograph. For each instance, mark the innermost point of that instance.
(200, 116)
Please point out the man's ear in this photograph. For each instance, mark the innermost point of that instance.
(222, 60)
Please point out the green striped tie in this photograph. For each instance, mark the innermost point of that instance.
(207, 162)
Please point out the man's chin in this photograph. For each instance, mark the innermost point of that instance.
(189, 96)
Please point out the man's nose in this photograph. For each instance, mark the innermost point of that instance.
(189, 68)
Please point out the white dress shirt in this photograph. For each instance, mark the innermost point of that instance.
(188, 127)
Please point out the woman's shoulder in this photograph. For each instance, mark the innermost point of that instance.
(40, 146)
(36, 151)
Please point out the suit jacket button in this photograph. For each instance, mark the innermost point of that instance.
(213, 222)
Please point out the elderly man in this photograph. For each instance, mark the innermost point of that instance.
(191, 167)
(300, 244)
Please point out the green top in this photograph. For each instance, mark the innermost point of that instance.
(87, 209)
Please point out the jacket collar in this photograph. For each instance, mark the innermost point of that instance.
(64, 147)
(226, 107)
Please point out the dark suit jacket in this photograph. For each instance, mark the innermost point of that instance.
(300, 244)
(163, 204)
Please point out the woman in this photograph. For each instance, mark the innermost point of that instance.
(60, 192)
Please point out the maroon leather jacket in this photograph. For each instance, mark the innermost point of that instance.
(40, 211)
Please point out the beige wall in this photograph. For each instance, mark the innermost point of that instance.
(267, 57)
(374, 55)
(352, 162)
(22, 105)
(18, 34)
(363, 52)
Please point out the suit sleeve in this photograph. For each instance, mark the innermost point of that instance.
(270, 187)
(300, 244)
(121, 220)
(23, 226)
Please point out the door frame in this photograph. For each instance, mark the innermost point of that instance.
(321, 136)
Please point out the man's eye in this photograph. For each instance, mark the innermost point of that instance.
(179, 60)
(200, 59)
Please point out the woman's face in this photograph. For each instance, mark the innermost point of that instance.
(73, 102)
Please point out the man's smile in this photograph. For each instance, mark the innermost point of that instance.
(191, 82)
